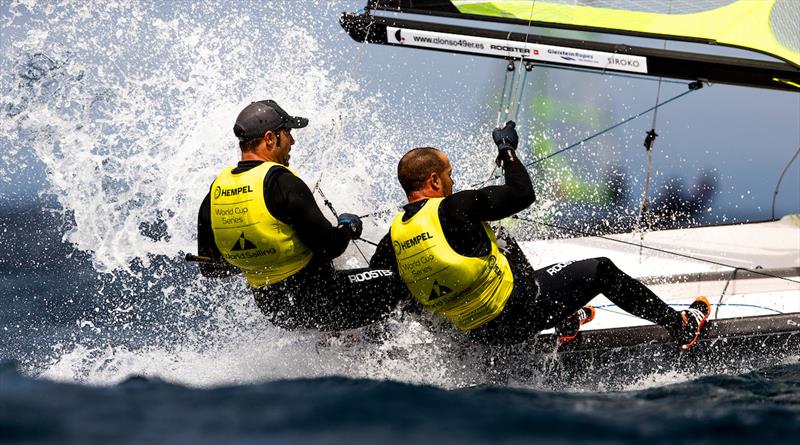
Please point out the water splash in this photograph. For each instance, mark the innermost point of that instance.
(128, 109)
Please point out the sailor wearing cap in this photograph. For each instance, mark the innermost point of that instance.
(259, 218)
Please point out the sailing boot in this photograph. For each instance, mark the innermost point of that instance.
(567, 330)
(694, 319)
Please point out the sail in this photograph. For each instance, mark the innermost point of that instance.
(767, 26)
(764, 26)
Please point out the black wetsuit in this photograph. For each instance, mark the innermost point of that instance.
(540, 298)
(316, 297)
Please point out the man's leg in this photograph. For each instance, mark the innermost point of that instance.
(566, 287)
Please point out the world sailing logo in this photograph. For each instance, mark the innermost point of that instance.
(243, 244)
(438, 291)
(399, 37)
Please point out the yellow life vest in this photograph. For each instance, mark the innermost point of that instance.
(248, 236)
(469, 291)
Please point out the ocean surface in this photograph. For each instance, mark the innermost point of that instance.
(757, 407)
(100, 358)
(114, 119)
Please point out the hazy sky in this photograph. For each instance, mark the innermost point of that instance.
(745, 135)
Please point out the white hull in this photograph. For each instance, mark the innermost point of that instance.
(772, 247)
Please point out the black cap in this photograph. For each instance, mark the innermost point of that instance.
(263, 116)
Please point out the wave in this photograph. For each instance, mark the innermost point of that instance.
(756, 407)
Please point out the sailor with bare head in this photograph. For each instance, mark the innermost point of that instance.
(451, 261)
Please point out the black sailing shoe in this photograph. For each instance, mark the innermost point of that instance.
(568, 329)
(694, 319)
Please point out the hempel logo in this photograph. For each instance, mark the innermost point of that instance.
(400, 246)
(231, 192)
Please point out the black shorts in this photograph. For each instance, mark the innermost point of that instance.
(320, 297)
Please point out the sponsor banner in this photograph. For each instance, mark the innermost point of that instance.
(529, 51)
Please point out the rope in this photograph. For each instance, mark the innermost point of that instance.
(514, 104)
(528, 68)
(649, 140)
(692, 87)
(644, 204)
(515, 98)
(725, 289)
(606, 307)
(522, 79)
(336, 123)
(336, 215)
(378, 213)
(584, 233)
(610, 73)
(368, 242)
(510, 72)
(777, 186)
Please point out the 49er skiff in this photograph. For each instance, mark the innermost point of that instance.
(750, 272)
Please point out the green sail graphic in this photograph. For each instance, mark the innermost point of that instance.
(767, 26)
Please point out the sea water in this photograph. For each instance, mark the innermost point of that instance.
(116, 118)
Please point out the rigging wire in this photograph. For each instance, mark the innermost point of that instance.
(515, 93)
(336, 215)
(777, 186)
(528, 69)
(693, 86)
(649, 140)
(585, 233)
(644, 204)
(611, 73)
(522, 79)
(724, 290)
(358, 66)
(605, 307)
(510, 72)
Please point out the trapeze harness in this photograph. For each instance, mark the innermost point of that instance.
(247, 235)
(469, 291)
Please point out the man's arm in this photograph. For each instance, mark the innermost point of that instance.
(384, 258)
(217, 267)
(290, 200)
(494, 202)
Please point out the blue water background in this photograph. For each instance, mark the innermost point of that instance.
(758, 407)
